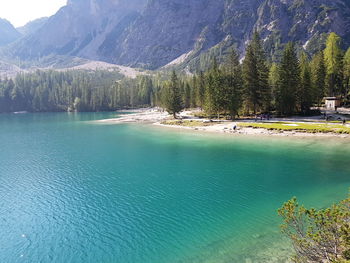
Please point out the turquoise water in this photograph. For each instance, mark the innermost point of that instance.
(75, 191)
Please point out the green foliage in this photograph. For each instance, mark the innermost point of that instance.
(346, 72)
(288, 82)
(45, 91)
(214, 90)
(173, 98)
(200, 94)
(300, 127)
(333, 56)
(233, 85)
(318, 70)
(227, 88)
(257, 94)
(317, 235)
(304, 93)
(273, 82)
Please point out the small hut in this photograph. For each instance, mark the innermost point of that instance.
(332, 103)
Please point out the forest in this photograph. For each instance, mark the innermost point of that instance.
(296, 84)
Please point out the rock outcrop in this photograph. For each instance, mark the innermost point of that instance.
(154, 33)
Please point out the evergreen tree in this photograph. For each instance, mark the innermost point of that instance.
(252, 96)
(263, 70)
(273, 82)
(346, 72)
(173, 98)
(318, 70)
(304, 93)
(288, 82)
(187, 95)
(255, 75)
(200, 94)
(194, 91)
(333, 59)
(214, 95)
(234, 85)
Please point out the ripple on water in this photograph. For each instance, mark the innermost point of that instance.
(92, 193)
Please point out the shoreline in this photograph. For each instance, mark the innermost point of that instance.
(156, 117)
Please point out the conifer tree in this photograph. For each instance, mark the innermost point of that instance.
(234, 85)
(263, 70)
(255, 75)
(187, 95)
(252, 96)
(333, 59)
(214, 95)
(288, 82)
(273, 82)
(318, 70)
(173, 98)
(346, 72)
(304, 93)
(194, 88)
(200, 94)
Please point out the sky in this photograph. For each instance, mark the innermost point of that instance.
(19, 12)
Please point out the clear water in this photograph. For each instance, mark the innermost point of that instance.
(75, 191)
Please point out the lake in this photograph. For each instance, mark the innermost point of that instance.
(75, 191)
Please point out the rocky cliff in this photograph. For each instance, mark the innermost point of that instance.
(32, 26)
(154, 33)
(8, 33)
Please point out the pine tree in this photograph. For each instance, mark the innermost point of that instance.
(194, 88)
(214, 95)
(346, 72)
(233, 85)
(263, 70)
(255, 75)
(304, 93)
(273, 83)
(333, 59)
(318, 70)
(252, 96)
(173, 98)
(187, 95)
(200, 94)
(288, 82)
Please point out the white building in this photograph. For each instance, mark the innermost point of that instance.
(332, 103)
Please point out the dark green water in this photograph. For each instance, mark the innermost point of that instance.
(75, 191)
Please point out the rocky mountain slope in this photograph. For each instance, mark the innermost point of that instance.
(8, 33)
(32, 26)
(155, 33)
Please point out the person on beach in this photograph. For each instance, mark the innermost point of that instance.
(234, 126)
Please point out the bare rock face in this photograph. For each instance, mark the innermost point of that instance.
(168, 29)
(77, 29)
(154, 33)
(32, 26)
(8, 33)
(304, 22)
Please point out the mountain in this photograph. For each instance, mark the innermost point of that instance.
(8, 33)
(156, 33)
(32, 26)
(79, 29)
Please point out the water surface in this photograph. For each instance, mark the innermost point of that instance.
(75, 191)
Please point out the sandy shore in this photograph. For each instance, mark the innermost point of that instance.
(158, 117)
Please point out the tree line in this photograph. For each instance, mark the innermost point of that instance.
(233, 87)
(52, 91)
(291, 86)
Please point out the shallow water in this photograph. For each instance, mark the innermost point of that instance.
(75, 191)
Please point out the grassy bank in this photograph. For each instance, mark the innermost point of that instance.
(299, 127)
